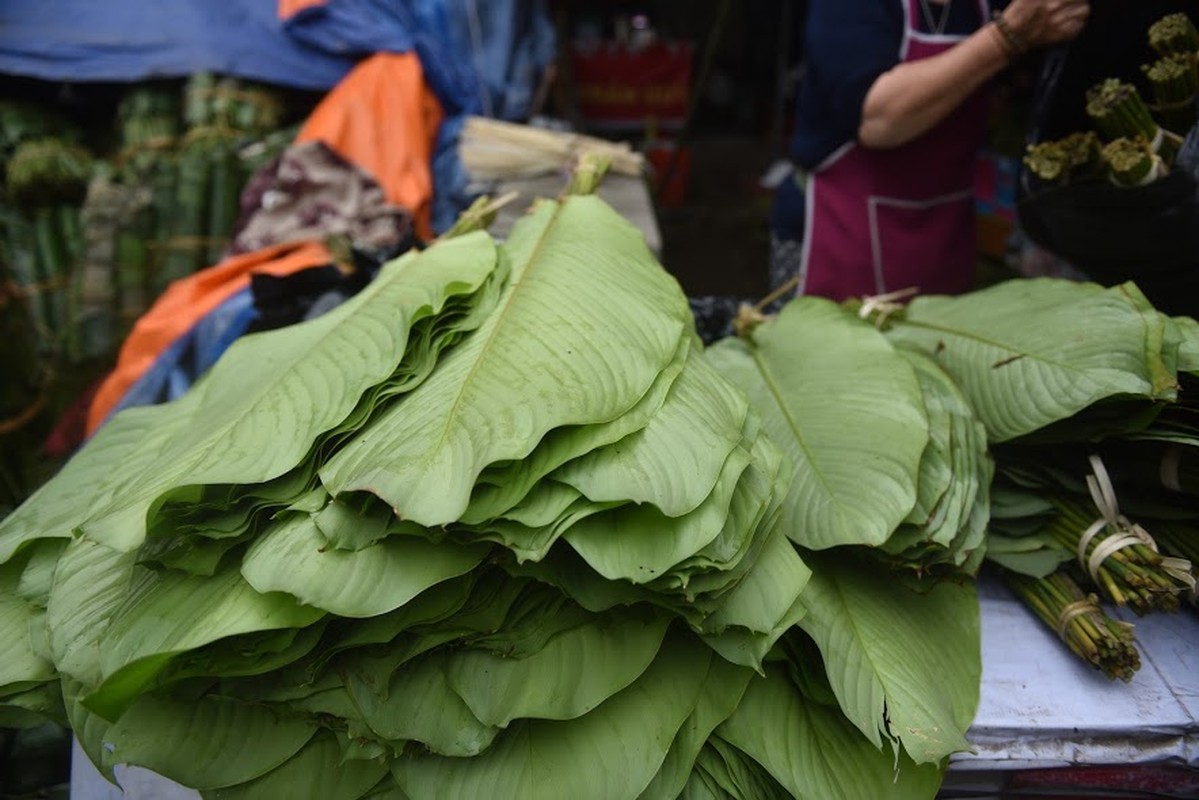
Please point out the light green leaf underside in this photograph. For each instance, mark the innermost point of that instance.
(20, 664)
(314, 773)
(577, 670)
(502, 487)
(762, 606)
(721, 692)
(830, 389)
(91, 583)
(89, 480)
(168, 613)
(815, 753)
(672, 463)
(259, 410)
(206, 743)
(613, 751)
(587, 322)
(363, 583)
(418, 704)
(639, 543)
(1188, 350)
(902, 665)
(1088, 344)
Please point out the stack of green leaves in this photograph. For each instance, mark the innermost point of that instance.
(1101, 372)
(891, 476)
(494, 527)
(889, 454)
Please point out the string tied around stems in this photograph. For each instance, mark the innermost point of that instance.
(1124, 532)
(1071, 611)
(885, 304)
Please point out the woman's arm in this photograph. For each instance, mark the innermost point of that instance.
(912, 97)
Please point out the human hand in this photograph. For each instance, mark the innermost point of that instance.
(1042, 22)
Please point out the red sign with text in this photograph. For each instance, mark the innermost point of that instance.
(621, 87)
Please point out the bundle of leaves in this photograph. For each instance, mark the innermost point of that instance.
(494, 527)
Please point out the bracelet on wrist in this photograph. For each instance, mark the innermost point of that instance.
(1016, 44)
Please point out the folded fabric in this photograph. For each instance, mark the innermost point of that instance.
(311, 192)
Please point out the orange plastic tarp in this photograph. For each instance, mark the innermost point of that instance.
(183, 304)
(384, 118)
(287, 8)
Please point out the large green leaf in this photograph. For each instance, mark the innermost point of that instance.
(1088, 344)
(314, 773)
(587, 323)
(417, 703)
(721, 693)
(205, 743)
(168, 613)
(903, 665)
(293, 558)
(753, 513)
(91, 478)
(20, 664)
(259, 410)
(504, 486)
(728, 772)
(762, 606)
(30, 574)
(576, 671)
(673, 463)
(613, 751)
(815, 752)
(90, 584)
(845, 409)
(89, 729)
(639, 543)
(1188, 350)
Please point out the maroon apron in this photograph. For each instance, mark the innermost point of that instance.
(883, 220)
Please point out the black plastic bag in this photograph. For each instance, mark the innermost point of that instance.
(1147, 234)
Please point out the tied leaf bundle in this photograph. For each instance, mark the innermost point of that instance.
(47, 179)
(1105, 643)
(499, 529)
(148, 119)
(1174, 34)
(1132, 162)
(1117, 110)
(1134, 575)
(1065, 159)
(1174, 80)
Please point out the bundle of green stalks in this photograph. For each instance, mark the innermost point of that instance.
(1174, 80)
(1065, 159)
(1174, 33)
(1058, 601)
(1119, 112)
(1134, 575)
(1132, 162)
(149, 125)
(46, 181)
(224, 116)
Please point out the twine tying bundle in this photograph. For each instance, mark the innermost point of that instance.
(1124, 532)
(885, 304)
(1088, 605)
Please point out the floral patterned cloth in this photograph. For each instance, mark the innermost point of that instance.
(311, 192)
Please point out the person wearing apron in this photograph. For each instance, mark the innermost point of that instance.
(891, 206)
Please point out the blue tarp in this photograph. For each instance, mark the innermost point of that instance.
(132, 40)
(479, 56)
